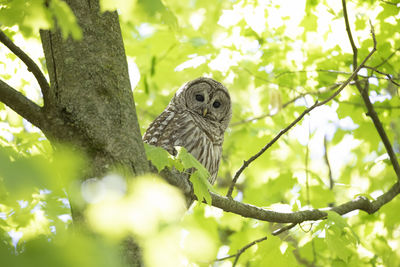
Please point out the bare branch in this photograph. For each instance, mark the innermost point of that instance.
(269, 114)
(317, 70)
(388, 58)
(307, 171)
(21, 104)
(348, 30)
(382, 133)
(331, 182)
(250, 211)
(376, 107)
(308, 110)
(263, 79)
(283, 229)
(332, 87)
(240, 251)
(364, 94)
(389, 3)
(32, 67)
(340, 72)
(389, 77)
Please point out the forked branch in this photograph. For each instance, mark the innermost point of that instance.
(21, 104)
(246, 163)
(240, 251)
(364, 94)
(32, 66)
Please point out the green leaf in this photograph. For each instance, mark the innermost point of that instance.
(276, 251)
(189, 161)
(199, 178)
(157, 155)
(337, 219)
(201, 187)
(337, 245)
(341, 222)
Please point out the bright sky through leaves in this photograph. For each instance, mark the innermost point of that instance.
(276, 58)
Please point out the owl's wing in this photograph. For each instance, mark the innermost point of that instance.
(159, 134)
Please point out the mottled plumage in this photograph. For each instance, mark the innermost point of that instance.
(196, 118)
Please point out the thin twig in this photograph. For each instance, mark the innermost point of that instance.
(390, 3)
(382, 133)
(240, 251)
(304, 230)
(383, 73)
(284, 105)
(388, 58)
(32, 67)
(166, 53)
(364, 94)
(332, 87)
(263, 79)
(317, 70)
(348, 30)
(308, 110)
(306, 167)
(335, 71)
(283, 229)
(376, 107)
(331, 182)
(270, 114)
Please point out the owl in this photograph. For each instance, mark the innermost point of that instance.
(196, 119)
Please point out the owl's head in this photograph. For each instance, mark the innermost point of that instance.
(207, 98)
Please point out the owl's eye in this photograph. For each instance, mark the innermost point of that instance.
(199, 98)
(216, 104)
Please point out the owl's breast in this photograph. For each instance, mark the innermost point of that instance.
(203, 144)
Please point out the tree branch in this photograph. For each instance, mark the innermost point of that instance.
(364, 94)
(250, 211)
(283, 229)
(376, 107)
(317, 70)
(240, 251)
(348, 30)
(382, 133)
(32, 67)
(388, 58)
(332, 87)
(328, 165)
(284, 105)
(308, 110)
(383, 73)
(21, 104)
(389, 3)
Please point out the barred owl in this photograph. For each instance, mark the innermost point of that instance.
(196, 119)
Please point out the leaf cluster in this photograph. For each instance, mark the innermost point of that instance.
(276, 58)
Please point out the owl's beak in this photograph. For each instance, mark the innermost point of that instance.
(204, 112)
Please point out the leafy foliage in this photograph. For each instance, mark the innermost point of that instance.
(183, 161)
(30, 16)
(276, 58)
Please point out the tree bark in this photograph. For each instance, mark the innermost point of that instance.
(90, 91)
(90, 102)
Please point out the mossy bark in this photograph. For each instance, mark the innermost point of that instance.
(90, 103)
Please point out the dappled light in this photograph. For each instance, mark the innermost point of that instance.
(309, 172)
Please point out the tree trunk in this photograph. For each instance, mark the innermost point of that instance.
(90, 103)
